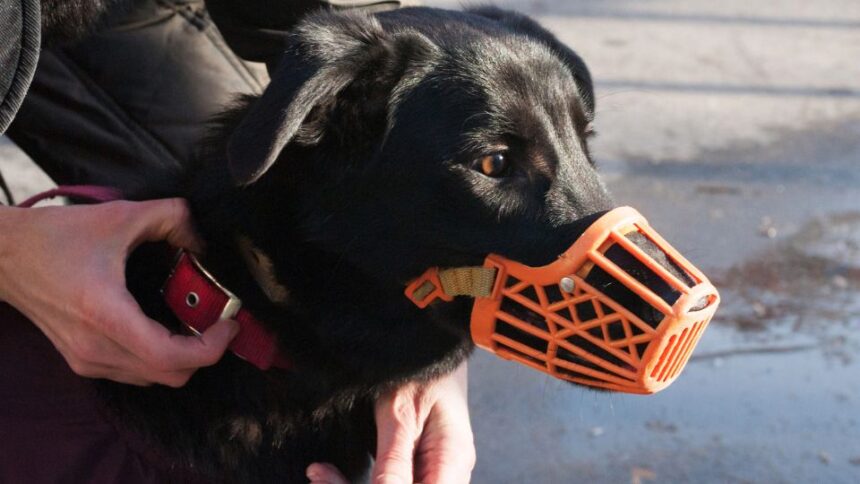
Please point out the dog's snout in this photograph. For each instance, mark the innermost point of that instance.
(647, 276)
(571, 200)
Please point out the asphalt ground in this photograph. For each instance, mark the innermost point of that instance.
(734, 126)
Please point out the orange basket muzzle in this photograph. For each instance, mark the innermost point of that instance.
(553, 318)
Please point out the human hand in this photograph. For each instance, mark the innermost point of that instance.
(64, 268)
(423, 435)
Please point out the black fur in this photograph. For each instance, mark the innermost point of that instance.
(67, 21)
(353, 172)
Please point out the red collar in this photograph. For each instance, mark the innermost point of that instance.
(199, 301)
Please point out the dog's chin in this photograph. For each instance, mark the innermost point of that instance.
(68, 21)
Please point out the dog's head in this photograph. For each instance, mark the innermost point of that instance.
(428, 137)
(419, 138)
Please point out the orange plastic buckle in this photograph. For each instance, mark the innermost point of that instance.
(426, 289)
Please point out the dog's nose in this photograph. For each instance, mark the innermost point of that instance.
(645, 275)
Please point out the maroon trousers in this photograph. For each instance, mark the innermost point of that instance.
(53, 427)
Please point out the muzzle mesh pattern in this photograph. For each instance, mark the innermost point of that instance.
(552, 319)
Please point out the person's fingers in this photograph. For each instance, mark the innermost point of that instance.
(170, 352)
(325, 473)
(397, 433)
(98, 370)
(169, 220)
(160, 349)
(450, 474)
(87, 354)
(127, 378)
(100, 357)
(97, 357)
(120, 376)
(451, 465)
(131, 371)
(175, 379)
(446, 450)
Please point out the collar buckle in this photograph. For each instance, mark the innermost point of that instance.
(233, 305)
(198, 304)
(198, 300)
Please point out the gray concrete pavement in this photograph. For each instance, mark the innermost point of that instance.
(735, 127)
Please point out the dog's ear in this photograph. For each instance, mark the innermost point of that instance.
(526, 26)
(275, 117)
(330, 53)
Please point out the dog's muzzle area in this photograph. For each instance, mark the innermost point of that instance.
(619, 310)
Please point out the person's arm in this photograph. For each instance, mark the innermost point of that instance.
(64, 268)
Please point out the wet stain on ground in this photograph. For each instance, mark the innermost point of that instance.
(806, 283)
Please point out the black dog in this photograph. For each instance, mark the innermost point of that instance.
(383, 146)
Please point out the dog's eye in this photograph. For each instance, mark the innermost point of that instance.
(493, 166)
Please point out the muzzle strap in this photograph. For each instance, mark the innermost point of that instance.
(468, 281)
(444, 284)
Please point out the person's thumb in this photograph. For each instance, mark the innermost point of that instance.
(220, 334)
